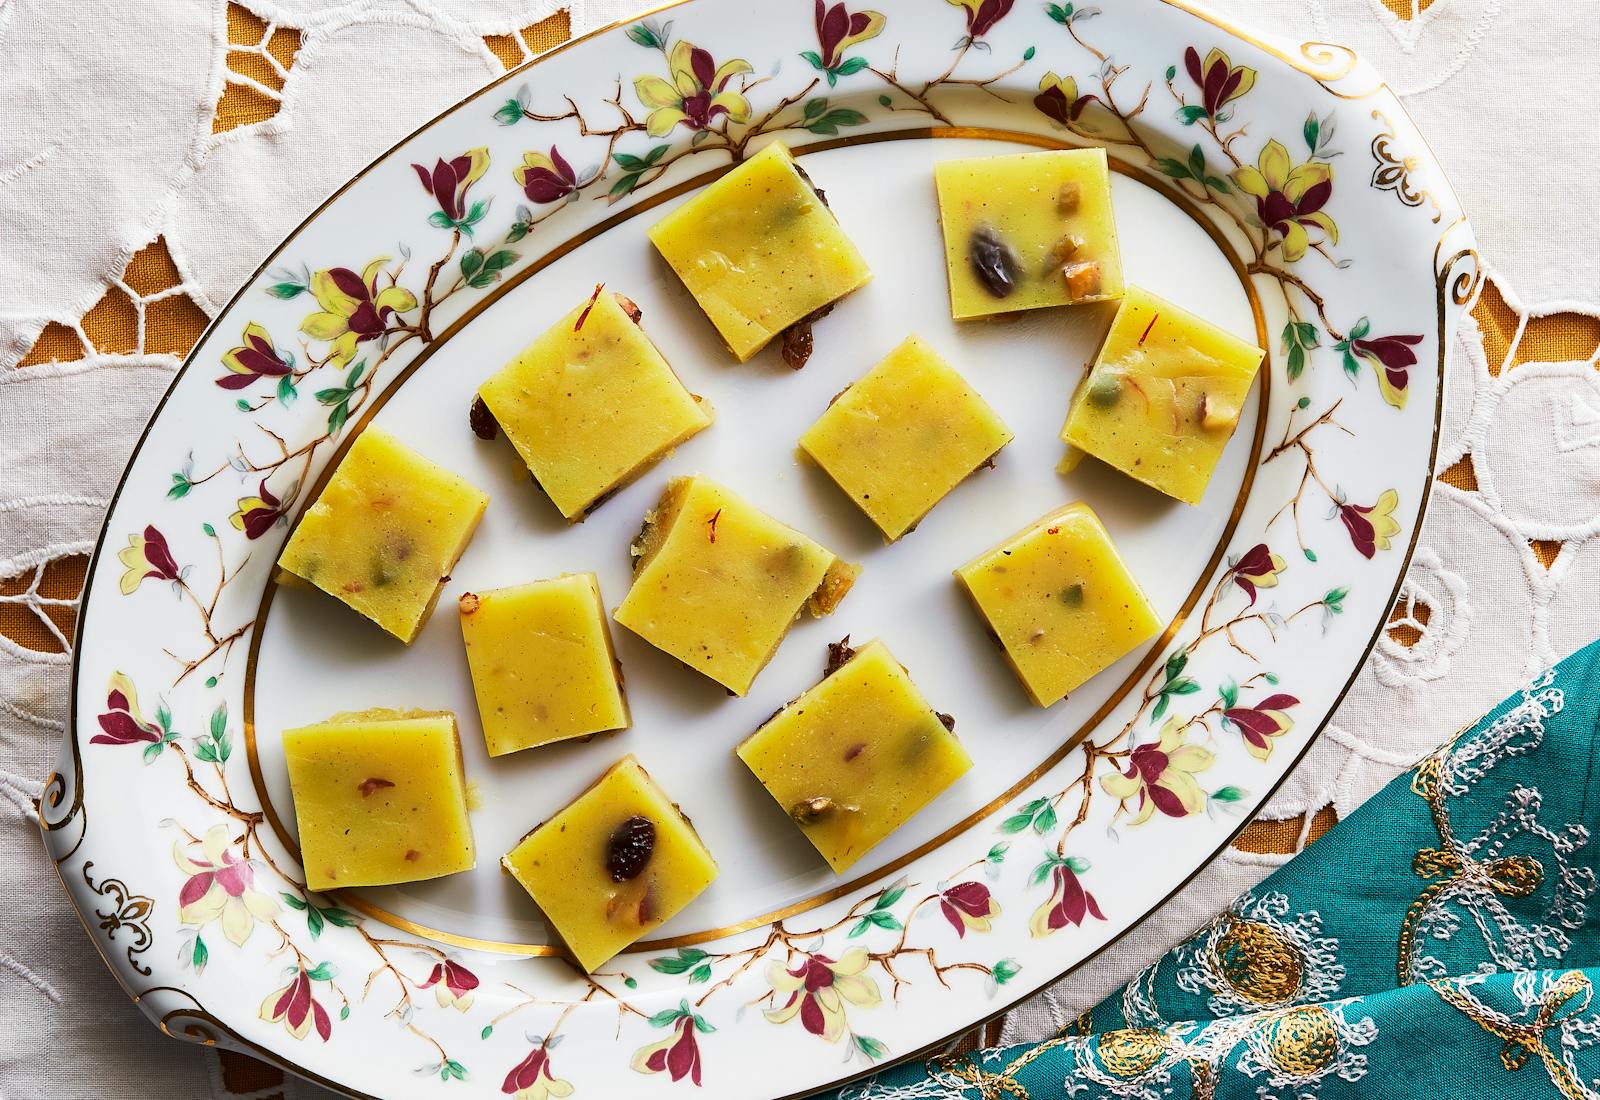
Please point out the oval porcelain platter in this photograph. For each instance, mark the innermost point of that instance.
(1274, 187)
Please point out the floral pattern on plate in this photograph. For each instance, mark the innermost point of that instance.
(1010, 903)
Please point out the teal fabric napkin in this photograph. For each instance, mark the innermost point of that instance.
(1438, 943)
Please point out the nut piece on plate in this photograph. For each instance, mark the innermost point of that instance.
(760, 250)
(380, 797)
(542, 665)
(717, 582)
(1060, 601)
(1163, 397)
(619, 860)
(385, 533)
(591, 404)
(904, 435)
(856, 756)
(1027, 230)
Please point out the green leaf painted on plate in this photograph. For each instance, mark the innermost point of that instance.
(870, 1047)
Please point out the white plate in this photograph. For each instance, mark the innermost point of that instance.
(1298, 185)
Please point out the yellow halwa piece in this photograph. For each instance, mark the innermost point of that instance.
(718, 582)
(542, 665)
(904, 435)
(759, 250)
(380, 797)
(620, 860)
(1027, 230)
(1163, 397)
(385, 533)
(591, 404)
(1060, 601)
(856, 756)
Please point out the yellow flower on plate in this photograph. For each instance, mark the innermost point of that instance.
(354, 310)
(697, 93)
(146, 555)
(1289, 197)
(1161, 776)
(220, 887)
(819, 989)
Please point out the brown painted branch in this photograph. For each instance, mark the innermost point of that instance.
(1288, 278)
(419, 1033)
(386, 965)
(1297, 440)
(622, 1006)
(250, 837)
(891, 77)
(422, 328)
(759, 126)
(288, 945)
(217, 645)
(752, 956)
(248, 817)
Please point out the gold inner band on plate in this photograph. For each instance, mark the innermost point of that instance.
(354, 900)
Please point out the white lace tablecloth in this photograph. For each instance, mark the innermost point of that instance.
(108, 141)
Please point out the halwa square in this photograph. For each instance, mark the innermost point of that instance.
(542, 664)
(591, 404)
(619, 860)
(385, 533)
(718, 582)
(1060, 601)
(759, 250)
(904, 435)
(856, 756)
(380, 797)
(1163, 396)
(1028, 230)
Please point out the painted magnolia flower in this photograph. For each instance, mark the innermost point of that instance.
(969, 905)
(253, 359)
(1256, 568)
(678, 1055)
(1392, 358)
(1259, 723)
(545, 178)
(220, 887)
(1219, 79)
(819, 988)
(122, 724)
(452, 984)
(1371, 526)
(982, 15)
(1068, 903)
(256, 514)
(1058, 98)
(297, 1009)
(450, 180)
(838, 29)
(697, 93)
(1289, 197)
(1161, 775)
(354, 310)
(531, 1078)
(146, 556)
